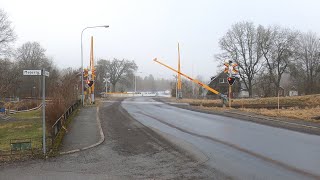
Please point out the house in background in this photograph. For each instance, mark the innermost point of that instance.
(220, 83)
(293, 91)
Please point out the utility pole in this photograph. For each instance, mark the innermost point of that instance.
(193, 95)
(92, 70)
(179, 76)
(44, 111)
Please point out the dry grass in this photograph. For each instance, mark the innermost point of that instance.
(309, 100)
(21, 105)
(295, 113)
(195, 101)
(28, 114)
(311, 104)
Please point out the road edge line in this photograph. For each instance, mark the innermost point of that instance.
(102, 138)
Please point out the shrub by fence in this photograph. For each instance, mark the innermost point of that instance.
(57, 126)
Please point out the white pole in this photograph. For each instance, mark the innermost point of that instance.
(43, 112)
(106, 86)
(135, 83)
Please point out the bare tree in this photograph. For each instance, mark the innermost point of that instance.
(240, 45)
(277, 46)
(116, 70)
(149, 83)
(9, 77)
(307, 66)
(65, 93)
(31, 55)
(101, 73)
(7, 35)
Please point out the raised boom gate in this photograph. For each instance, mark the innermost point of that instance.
(224, 97)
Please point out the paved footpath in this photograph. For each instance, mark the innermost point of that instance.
(83, 130)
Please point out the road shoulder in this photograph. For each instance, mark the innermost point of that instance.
(284, 123)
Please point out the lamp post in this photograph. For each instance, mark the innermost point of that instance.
(82, 84)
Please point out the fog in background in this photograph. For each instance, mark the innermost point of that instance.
(141, 30)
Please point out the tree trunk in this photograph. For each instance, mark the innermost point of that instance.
(250, 88)
(113, 87)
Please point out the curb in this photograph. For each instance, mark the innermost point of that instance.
(102, 138)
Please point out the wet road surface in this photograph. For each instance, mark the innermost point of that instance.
(130, 151)
(238, 148)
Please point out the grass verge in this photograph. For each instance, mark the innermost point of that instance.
(25, 125)
(28, 125)
(306, 114)
(295, 101)
(310, 104)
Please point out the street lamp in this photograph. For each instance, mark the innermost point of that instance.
(82, 84)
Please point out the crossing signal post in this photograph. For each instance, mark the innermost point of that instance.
(90, 83)
(230, 68)
(231, 80)
(230, 89)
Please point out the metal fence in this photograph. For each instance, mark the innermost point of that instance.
(61, 120)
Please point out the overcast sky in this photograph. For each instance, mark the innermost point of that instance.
(141, 30)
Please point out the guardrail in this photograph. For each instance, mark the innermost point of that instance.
(129, 94)
(56, 127)
(32, 109)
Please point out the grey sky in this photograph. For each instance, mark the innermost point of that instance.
(144, 29)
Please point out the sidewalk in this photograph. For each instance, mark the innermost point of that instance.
(84, 131)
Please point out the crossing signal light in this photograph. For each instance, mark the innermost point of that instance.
(85, 72)
(90, 83)
(231, 80)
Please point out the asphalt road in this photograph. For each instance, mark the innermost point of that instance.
(130, 151)
(241, 149)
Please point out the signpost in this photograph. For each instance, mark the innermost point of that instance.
(44, 74)
(32, 72)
